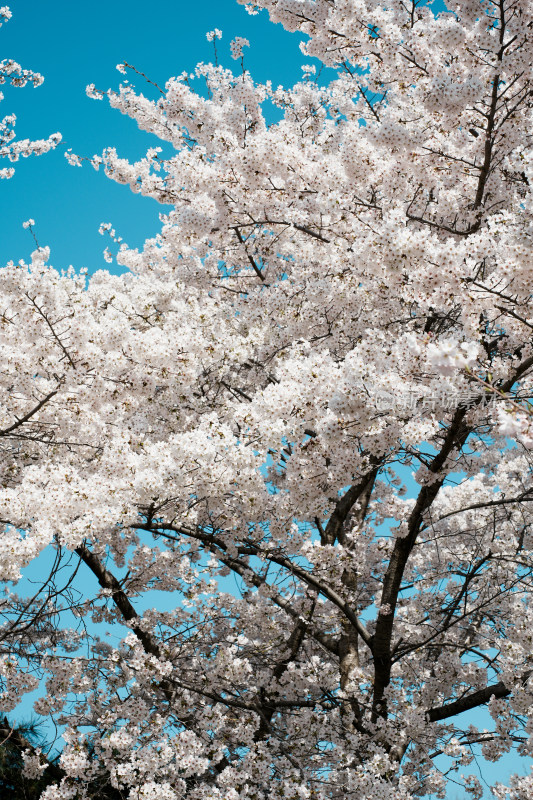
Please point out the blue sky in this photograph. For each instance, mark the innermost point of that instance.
(74, 44)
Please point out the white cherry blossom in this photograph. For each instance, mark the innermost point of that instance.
(301, 413)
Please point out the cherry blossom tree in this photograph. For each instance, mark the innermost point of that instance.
(301, 413)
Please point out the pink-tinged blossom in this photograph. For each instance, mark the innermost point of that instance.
(236, 46)
(448, 355)
(34, 764)
(515, 425)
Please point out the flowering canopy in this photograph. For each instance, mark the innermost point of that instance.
(332, 302)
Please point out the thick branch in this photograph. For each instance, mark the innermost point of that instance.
(456, 436)
(333, 529)
(20, 421)
(108, 581)
(470, 701)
